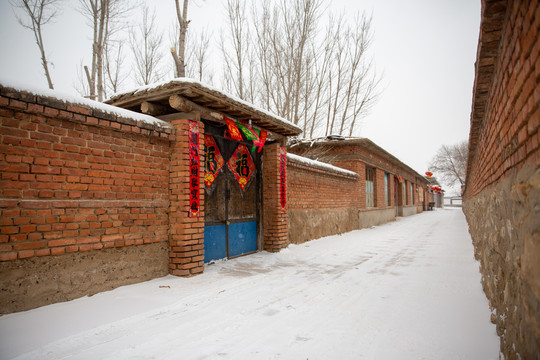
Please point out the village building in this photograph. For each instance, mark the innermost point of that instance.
(502, 191)
(377, 187)
(166, 179)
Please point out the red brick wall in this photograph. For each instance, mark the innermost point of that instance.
(186, 234)
(502, 194)
(505, 135)
(76, 178)
(314, 188)
(356, 157)
(275, 221)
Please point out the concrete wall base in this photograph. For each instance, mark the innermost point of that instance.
(375, 217)
(37, 281)
(309, 224)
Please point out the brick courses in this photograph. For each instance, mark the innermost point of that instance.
(502, 194)
(76, 179)
(275, 222)
(186, 234)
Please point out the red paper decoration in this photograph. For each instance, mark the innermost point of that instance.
(429, 174)
(194, 170)
(241, 165)
(213, 161)
(234, 133)
(283, 178)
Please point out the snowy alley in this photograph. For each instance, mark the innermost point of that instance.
(409, 289)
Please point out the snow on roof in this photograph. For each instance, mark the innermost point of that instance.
(78, 100)
(204, 88)
(320, 165)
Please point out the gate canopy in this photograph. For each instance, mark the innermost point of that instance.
(187, 95)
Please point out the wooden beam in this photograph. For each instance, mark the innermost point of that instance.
(154, 109)
(184, 105)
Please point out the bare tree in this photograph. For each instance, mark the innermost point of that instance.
(450, 163)
(179, 54)
(235, 72)
(38, 13)
(198, 53)
(145, 44)
(103, 17)
(114, 60)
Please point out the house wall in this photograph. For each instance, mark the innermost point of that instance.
(83, 200)
(502, 195)
(321, 202)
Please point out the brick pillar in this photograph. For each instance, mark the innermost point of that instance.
(186, 235)
(275, 222)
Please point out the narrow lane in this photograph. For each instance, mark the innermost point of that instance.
(409, 289)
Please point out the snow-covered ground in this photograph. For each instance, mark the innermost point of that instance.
(409, 289)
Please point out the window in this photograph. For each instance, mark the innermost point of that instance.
(412, 193)
(370, 187)
(386, 190)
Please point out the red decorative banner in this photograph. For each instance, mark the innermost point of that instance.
(234, 133)
(213, 161)
(400, 179)
(194, 170)
(259, 143)
(283, 177)
(241, 165)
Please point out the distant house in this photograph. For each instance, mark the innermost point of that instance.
(321, 205)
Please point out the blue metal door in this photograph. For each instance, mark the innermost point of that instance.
(242, 238)
(230, 211)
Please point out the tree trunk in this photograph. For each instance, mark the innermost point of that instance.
(180, 59)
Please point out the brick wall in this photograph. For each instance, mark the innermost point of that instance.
(321, 201)
(186, 234)
(76, 179)
(310, 187)
(355, 155)
(502, 194)
(275, 221)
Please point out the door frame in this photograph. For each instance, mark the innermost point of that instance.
(257, 159)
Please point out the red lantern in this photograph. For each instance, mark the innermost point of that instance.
(429, 174)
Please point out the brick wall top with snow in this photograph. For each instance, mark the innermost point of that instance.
(65, 107)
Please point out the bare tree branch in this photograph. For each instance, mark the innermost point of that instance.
(38, 13)
(145, 45)
(450, 163)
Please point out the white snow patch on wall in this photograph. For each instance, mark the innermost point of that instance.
(77, 100)
(320, 165)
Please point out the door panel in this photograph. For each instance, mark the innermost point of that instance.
(215, 242)
(242, 204)
(242, 238)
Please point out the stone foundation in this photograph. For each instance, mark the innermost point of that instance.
(504, 222)
(29, 283)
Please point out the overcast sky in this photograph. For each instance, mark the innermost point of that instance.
(425, 50)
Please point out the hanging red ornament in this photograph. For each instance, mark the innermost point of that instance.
(241, 165)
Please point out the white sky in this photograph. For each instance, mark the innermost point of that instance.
(425, 49)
